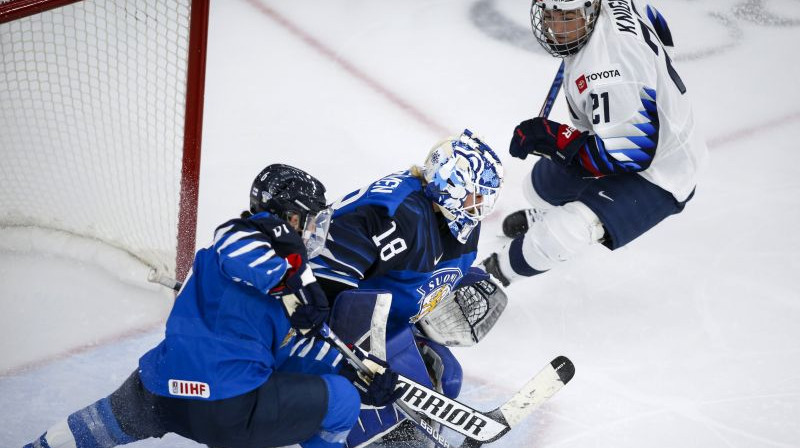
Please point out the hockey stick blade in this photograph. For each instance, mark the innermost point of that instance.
(334, 340)
(477, 426)
(533, 394)
(484, 427)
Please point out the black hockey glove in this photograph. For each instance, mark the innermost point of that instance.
(303, 298)
(558, 142)
(378, 390)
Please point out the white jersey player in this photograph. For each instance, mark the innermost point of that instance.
(633, 156)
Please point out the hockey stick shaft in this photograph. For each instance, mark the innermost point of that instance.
(544, 112)
(533, 394)
(351, 357)
(478, 427)
(157, 277)
(331, 337)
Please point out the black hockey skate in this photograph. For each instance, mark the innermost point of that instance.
(520, 221)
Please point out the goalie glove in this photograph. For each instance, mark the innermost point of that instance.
(468, 313)
(378, 387)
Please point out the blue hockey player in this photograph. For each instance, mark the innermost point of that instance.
(216, 377)
(414, 234)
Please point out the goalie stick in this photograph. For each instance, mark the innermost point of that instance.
(290, 303)
(533, 394)
(486, 427)
(478, 427)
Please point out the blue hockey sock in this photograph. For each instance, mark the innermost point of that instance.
(91, 427)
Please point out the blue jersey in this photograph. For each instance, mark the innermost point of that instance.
(226, 333)
(389, 236)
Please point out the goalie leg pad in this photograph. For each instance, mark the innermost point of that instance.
(445, 368)
(404, 358)
(359, 317)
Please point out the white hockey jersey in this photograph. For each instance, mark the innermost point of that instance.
(623, 88)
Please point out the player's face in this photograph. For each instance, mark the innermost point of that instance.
(564, 27)
(294, 221)
(472, 202)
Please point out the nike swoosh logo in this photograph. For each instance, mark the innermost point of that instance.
(603, 194)
(436, 260)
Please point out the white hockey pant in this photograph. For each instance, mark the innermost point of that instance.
(532, 197)
(561, 232)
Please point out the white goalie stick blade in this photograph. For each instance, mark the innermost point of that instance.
(478, 427)
(485, 427)
(533, 394)
(450, 413)
(538, 390)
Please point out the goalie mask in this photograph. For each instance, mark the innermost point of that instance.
(563, 27)
(463, 177)
(298, 198)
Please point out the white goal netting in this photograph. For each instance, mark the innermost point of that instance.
(92, 114)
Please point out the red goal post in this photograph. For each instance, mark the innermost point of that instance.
(101, 107)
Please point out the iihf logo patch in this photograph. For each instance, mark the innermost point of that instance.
(581, 83)
(435, 289)
(182, 388)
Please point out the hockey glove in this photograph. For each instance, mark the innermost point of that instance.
(469, 313)
(474, 275)
(558, 142)
(378, 389)
(303, 298)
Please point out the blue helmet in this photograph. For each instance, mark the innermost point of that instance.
(463, 177)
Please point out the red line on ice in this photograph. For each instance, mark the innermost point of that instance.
(753, 130)
(84, 348)
(351, 69)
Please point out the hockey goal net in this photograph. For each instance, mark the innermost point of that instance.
(100, 121)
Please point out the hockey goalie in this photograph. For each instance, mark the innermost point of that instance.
(420, 353)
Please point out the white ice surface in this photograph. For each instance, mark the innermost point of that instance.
(685, 338)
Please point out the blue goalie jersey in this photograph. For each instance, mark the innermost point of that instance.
(389, 236)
